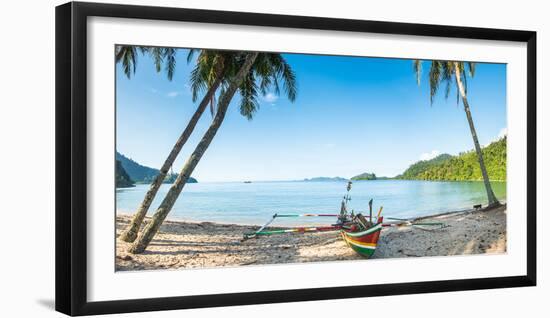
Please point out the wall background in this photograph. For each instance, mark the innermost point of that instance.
(27, 160)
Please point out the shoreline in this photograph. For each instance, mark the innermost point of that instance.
(341, 181)
(193, 244)
(123, 214)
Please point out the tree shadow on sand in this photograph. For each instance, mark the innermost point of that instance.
(172, 250)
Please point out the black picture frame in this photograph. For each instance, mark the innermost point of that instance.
(71, 157)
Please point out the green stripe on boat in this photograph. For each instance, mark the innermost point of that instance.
(373, 229)
(362, 250)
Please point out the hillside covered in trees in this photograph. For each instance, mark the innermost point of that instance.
(464, 167)
(143, 174)
(122, 179)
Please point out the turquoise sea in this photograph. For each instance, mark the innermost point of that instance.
(256, 202)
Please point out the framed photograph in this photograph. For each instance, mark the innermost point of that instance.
(209, 158)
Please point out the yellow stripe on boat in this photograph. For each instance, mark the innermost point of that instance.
(359, 244)
(349, 239)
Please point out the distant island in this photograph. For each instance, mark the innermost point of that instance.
(321, 179)
(141, 174)
(364, 176)
(463, 167)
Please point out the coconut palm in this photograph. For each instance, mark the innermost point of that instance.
(450, 72)
(206, 76)
(256, 73)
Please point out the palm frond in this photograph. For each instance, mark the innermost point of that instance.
(157, 54)
(472, 68)
(249, 92)
(191, 54)
(444, 72)
(170, 56)
(434, 79)
(447, 77)
(417, 67)
(126, 55)
(267, 74)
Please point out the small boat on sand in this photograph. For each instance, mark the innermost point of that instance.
(363, 241)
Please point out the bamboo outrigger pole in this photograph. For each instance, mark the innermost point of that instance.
(261, 231)
(248, 236)
(296, 230)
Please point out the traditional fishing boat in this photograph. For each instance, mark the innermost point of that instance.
(363, 241)
(361, 233)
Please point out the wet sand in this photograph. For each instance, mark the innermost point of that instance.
(182, 244)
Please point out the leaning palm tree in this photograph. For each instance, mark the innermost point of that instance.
(207, 75)
(448, 72)
(256, 74)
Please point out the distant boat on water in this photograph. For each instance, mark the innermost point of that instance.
(248, 182)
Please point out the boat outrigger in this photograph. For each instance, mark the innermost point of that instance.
(361, 233)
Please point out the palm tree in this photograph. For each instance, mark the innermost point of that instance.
(207, 75)
(256, 73)
(447, 72)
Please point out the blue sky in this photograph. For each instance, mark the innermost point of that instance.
(351, 115)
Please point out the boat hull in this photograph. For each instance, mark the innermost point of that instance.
(363, 242)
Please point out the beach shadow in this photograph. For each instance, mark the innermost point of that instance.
(163, 242)
(258, 249)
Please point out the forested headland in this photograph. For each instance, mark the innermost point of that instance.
(463, 167)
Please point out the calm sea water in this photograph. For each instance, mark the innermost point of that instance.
(255, 203)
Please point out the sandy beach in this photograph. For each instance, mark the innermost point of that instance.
(190, 245)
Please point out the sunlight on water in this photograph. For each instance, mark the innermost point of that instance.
(255, 203)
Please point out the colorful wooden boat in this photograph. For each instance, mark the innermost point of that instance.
(363, 241)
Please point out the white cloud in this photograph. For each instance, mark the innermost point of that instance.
(430, 155)
(502, 133)
(154, 90)
(173, 94)
(270, 98)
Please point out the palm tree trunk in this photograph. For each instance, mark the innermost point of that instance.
(131, 231)
(152, 228)
(490, 194)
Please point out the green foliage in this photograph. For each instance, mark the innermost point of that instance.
(127, 55)
(122, 179)
(269, 72)
(422, 166)
(143, 174)
(365, 176)
(464, 167)
(443, 72)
